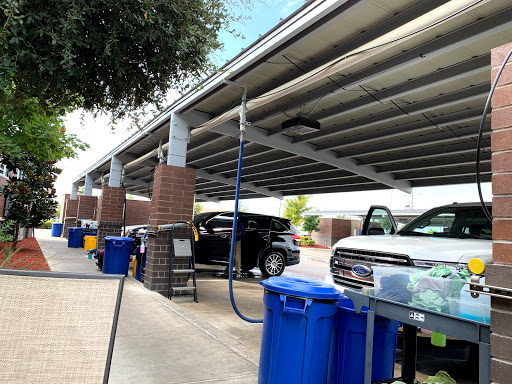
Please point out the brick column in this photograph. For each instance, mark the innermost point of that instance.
(500, 273)
(110, 213)
(173, 200)
(69, 210)
(87, 207)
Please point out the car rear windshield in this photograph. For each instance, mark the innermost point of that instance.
(280, 225)
(464, 222)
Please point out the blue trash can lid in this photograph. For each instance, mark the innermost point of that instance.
(57, 224)
(348, 305)
(300, 287)
(119, 238)
(76, 228)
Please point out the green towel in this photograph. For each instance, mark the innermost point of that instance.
(441, 377)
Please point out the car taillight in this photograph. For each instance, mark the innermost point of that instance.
(296, 237)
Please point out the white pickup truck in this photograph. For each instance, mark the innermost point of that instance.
(448, 235)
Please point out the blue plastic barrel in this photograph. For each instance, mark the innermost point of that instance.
(117, 255)
(75, 237)
(297, 328)
(57, 229)
(346, 361)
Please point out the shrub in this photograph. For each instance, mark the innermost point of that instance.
(46, 225)
(310, 242)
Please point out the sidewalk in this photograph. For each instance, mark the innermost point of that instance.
(159, 341)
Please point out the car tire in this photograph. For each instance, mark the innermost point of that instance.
(272, 264)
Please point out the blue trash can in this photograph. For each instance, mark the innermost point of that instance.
(117, 255)
(346, 361)
(297, 328)
(57, 229)
(75, 237)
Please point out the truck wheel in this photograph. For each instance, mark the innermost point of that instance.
(272, 264)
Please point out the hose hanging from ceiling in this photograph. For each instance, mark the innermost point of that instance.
(480, 132)
(243, 124)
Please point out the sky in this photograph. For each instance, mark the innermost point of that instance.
(265, 15)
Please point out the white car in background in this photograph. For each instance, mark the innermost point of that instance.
(449, 235)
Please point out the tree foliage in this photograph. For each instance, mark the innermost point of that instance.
(311, 223)
(31, 196)
(198, 208)
(29, 129)
(295, 207)
(113, 56)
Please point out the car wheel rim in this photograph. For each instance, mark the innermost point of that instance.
(274, 264)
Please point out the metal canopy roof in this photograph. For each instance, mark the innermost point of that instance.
(407, 115)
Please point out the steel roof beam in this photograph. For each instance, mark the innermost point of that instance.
(297, 163)
(454, 98)
(417, 142)
(470, 33)
(292, 171)
(442, 152)
(232, 181)
(440, 173)
(397, 131)
(435, 163)
(230, 161)
(302, 179)
(384, 27)
(258, 135)
(272, 156)
(455, 180)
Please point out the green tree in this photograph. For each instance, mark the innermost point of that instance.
(30, 197)
(113, 56)
(198, 208)
(311, 223)
(295, 207)
(386, 225)
(243, 207)
(29, 129)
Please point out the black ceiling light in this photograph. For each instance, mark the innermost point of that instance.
(300, 125)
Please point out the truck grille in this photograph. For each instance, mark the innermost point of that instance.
(344, 259)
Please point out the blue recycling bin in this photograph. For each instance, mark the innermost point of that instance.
(140, 264)
(347, 357)
(57, 229)
(117, 255)
(297, 328)
(75, 237)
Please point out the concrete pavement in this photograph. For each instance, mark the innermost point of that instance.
(159, 341)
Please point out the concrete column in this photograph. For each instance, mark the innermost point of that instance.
(173, 200)
(116, 172)
(178, 140)
(500, 273)
(89, 181)
(110, 213)
(74, 191)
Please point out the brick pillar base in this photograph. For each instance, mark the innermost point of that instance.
(110, 214)
(68, 222)
(156, 275)
(500, 272)
(107, 228)
(173, 200)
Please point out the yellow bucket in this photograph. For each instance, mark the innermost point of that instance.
(89, 242)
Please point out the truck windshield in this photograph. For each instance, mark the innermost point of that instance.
(460, 222)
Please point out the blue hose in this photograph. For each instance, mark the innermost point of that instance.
(233, 237)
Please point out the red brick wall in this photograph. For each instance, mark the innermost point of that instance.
(500, 273)
(331, 230)
(173, 194)
(3, 181)
(87, 207)
(173, 200)
(110, 205)
(71, 208)
(137, 212)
